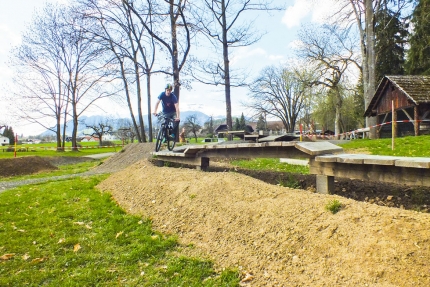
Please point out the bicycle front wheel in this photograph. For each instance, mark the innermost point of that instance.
(160, 137)
(171, 141)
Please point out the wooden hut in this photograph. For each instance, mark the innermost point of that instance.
(410, 98)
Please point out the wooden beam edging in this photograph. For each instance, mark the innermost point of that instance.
(199, 155)
(390, 169)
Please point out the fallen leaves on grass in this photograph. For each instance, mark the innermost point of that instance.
(76, 247)
(7, 256)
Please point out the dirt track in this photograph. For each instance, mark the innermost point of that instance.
(275, 235)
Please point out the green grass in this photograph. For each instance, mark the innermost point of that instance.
(66, 233)
(406, 146)
(272, 164)
(62, 170)
(333, 206)
(49, 149)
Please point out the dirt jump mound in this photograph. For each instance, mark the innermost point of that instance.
(275, 235)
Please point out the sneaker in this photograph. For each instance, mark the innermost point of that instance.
(172, 136)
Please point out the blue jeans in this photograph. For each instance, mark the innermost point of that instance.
(175, 123)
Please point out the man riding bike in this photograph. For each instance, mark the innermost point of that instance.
(170, 107)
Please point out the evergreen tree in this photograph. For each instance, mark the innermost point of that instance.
(242, 123)
(391, 36)
(237, 125)
(261, 123)
(10, 135)
(418, 62)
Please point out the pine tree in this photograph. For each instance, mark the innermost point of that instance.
(261, 123)
(391, 36)
(242, 123)
(10, 135)
(418, 62)
(237, 125)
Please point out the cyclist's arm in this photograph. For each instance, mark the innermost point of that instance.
(156, 106)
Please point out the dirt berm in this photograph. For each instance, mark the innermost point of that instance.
(275, 235)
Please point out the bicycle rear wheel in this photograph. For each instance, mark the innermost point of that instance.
(160, 137)
(171, 141)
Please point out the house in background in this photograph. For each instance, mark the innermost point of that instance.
(409, 96)
(4, 141)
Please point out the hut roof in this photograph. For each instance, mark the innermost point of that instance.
(416, 88)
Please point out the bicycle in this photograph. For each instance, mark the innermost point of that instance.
(165, 132)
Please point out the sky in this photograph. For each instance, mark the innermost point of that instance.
(275, 48)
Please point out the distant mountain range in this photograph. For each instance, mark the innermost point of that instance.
(118, 122)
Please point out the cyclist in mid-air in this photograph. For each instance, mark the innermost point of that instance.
(170, 107)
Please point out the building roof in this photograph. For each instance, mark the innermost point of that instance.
(416, 88)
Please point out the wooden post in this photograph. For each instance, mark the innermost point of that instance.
(393, 125)
(204, 163)
(325, 184)
(416, 121)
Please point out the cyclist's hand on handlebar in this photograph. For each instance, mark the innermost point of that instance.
(176, 119)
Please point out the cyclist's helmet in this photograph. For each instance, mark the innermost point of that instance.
(169, 87)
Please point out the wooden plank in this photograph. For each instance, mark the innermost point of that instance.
(276, 144)
(326, 158)
(380, 159)
(411, 176)
(197, 161)
(415, 162)
(318, 148)
(285, 137)
(351, 158)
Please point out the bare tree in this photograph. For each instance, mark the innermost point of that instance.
(41, 73)
(221, 21)
(330, 50)
(177, 43)
(88, 75)
(99, 130)
(127, 39)
(59, 70)
(192, 126)
(280, 93)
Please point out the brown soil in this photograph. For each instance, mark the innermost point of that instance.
(24, 165)
(275, 235)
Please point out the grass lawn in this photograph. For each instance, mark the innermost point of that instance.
(406, 146)
(62, 170)
(49, 149)
(66, 233)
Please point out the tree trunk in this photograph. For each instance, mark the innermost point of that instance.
(148, 88)
(369, 62)
(226, 70)
(141, 131)
(127, 93)
(75, 127)
(175, 53)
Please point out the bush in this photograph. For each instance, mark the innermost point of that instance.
(107, 143)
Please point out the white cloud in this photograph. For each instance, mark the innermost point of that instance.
(320, 13)
(8, 39)
(296, 13)
(246, 52)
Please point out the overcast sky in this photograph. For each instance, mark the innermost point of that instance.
(273, 49)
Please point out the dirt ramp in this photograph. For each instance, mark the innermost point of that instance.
(24, 165)
(278, 236)
(130, 154)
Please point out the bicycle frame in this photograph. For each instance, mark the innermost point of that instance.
(163, 135)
